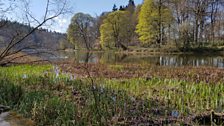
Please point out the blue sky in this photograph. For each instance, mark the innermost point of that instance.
(98, 6)
(93, 7)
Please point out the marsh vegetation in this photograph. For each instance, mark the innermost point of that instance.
(71, 93)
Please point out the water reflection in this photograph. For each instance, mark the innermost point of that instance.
(190, 60)
(162, 60)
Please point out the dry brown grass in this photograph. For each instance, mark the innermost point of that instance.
(195, 74)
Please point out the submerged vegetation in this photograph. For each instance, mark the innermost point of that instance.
(50, 96)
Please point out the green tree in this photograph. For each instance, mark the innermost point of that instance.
(114, 8)
(80, 31)
(115, 30)
(131, 6)
(154, 17)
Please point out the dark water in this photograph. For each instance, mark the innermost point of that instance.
(158, 59)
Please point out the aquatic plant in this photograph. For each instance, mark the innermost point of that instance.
(119, 101)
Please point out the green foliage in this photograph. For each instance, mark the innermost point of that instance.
(150, 19)
(131, 6)
(144, 27)
(22, 70)
(54, 111)
(29, 102)
(183, 96)
(115, 30)
(61, 101)
(81, 30)
(114, 8)
(31, 95)
(10, 94)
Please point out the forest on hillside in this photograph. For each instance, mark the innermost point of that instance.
(40, 39)
(183, 24)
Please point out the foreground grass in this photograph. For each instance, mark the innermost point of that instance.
(49, 97)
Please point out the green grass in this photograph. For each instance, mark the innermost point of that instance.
(23, 71)
(57, 100)
(187, 97)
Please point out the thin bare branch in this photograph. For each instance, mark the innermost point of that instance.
(46, 10)
(19, 38)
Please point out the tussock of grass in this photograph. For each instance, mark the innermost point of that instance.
(10, 94)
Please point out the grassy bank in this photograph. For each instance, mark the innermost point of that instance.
(50, 97)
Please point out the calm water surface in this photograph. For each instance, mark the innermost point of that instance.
(156, 59)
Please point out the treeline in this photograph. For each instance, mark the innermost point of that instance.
(6, 22)
(41, 38)
(159, 23)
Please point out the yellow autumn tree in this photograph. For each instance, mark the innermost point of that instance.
(154, 17)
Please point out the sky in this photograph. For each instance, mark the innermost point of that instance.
(92, 7)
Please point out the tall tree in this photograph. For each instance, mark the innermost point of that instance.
(180, 12)
(115, 30)
(80, 31)
(114, 8)
(154, 17)
(131, 6)
(144, 27)
(198, 8)
(214, 11)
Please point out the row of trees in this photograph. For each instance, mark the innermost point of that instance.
(191, 22)
(109, 30)
(185, 23)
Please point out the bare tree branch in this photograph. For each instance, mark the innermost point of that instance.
(61, 8)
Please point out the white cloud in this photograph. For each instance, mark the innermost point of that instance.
(60, 24)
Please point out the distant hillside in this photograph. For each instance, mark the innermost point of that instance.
(41, 38)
